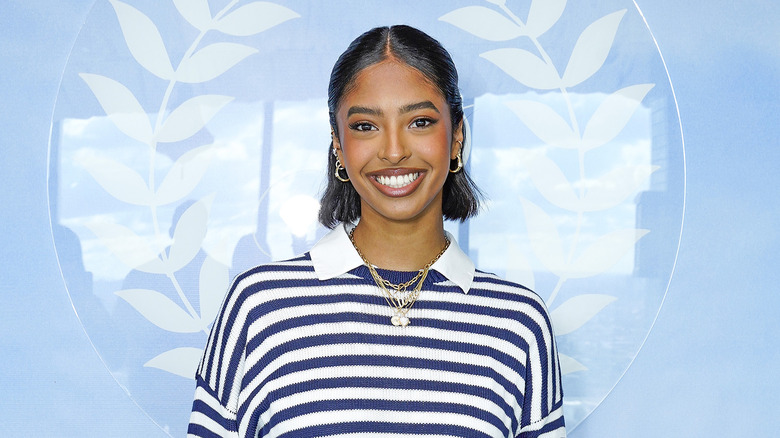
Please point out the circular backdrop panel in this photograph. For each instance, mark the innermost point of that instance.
(190, 143)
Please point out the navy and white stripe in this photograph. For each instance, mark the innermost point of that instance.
(292, 355)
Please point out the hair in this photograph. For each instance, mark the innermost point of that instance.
(340, 202)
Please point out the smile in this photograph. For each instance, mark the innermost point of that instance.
(397, 181)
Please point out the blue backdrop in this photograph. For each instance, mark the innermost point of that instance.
(706, 369)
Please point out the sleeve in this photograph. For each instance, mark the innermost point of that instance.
(543, 400)
(219, 374)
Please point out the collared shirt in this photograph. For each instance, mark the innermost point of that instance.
(335, 255)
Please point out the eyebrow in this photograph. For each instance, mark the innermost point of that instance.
(426, 104)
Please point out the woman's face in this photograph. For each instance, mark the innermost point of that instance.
(396, 142)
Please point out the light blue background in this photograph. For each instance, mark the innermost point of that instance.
(708, 366)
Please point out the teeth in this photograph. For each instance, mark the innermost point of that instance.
(397, 182)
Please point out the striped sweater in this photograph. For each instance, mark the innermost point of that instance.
(293, 355)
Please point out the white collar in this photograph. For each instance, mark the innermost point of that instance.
(334, 255)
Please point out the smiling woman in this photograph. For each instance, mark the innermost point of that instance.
(384, 326)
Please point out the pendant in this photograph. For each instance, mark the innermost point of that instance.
(399, 319)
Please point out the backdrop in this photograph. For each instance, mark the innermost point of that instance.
(154, 149)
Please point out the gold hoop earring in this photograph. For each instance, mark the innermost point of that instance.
(459, 159)
(339, 168)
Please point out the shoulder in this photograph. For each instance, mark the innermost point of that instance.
(493, 285)
(265, 281)
(512, 300)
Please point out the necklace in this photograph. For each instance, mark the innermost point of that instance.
(398, 296)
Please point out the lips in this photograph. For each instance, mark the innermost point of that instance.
(397, 182)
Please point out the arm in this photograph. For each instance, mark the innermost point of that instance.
(543, 402)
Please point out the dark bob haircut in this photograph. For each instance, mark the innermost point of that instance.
(340, 202)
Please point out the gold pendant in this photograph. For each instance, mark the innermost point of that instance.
(399, 319)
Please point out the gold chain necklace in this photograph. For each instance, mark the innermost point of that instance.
(396, 295)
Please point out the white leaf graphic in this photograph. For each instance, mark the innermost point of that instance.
(190, 117)
(121, 106)
(120, 181)
(549, 179)
(591, 49)
(254, 18)
(182, 361)
(542, 16)
(605, 252)
(483, 23)
(196, 12)
(211, 61)
(575, 312)
(570, 365)
(160, 310)
(214, 279)
(545, 240)
(525, 67)
(184, 175)
(612, 115)
(129, 247)
(518, 269)
(545, 123)
(189, 234)
(616, 186)
(144, 40)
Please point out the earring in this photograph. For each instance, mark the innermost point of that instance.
(339, 168)
(459, 160)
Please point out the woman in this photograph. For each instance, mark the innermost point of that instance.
(384, 328)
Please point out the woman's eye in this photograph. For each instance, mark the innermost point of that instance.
(362, 126)
(422, 122)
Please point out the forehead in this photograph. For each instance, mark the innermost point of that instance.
(392, 81)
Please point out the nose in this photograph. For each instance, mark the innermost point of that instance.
(394, 149)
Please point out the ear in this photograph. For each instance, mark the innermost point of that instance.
(457, 141)
(336, 145)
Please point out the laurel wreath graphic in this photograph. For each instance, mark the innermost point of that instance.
(162, 255)
(567, 258)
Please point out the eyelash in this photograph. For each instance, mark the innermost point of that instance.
(358, 126)
(428, 122)
(361, 126)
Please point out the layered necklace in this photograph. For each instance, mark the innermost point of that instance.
(398, 297)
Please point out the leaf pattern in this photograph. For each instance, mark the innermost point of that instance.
(196, 12)
(576, 311)
(173, 125)
(525, 67)
(160, 310)
(605, 252)
(575, 255)
(615, 187)
(182, 361)
(543, 15)
(545, 123)
(483, 23)
(214, 281)
(190, 117)
(143, 39)
(591, 49)
(546, 243)
(570, 365)
(188, 235)
(254, 18)
(120, 181)
(130, 248)
(212, 61)
(121, 107)
(613, 115)
(549, 179)
(184, 175)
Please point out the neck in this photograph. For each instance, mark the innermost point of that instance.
(400, 246)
